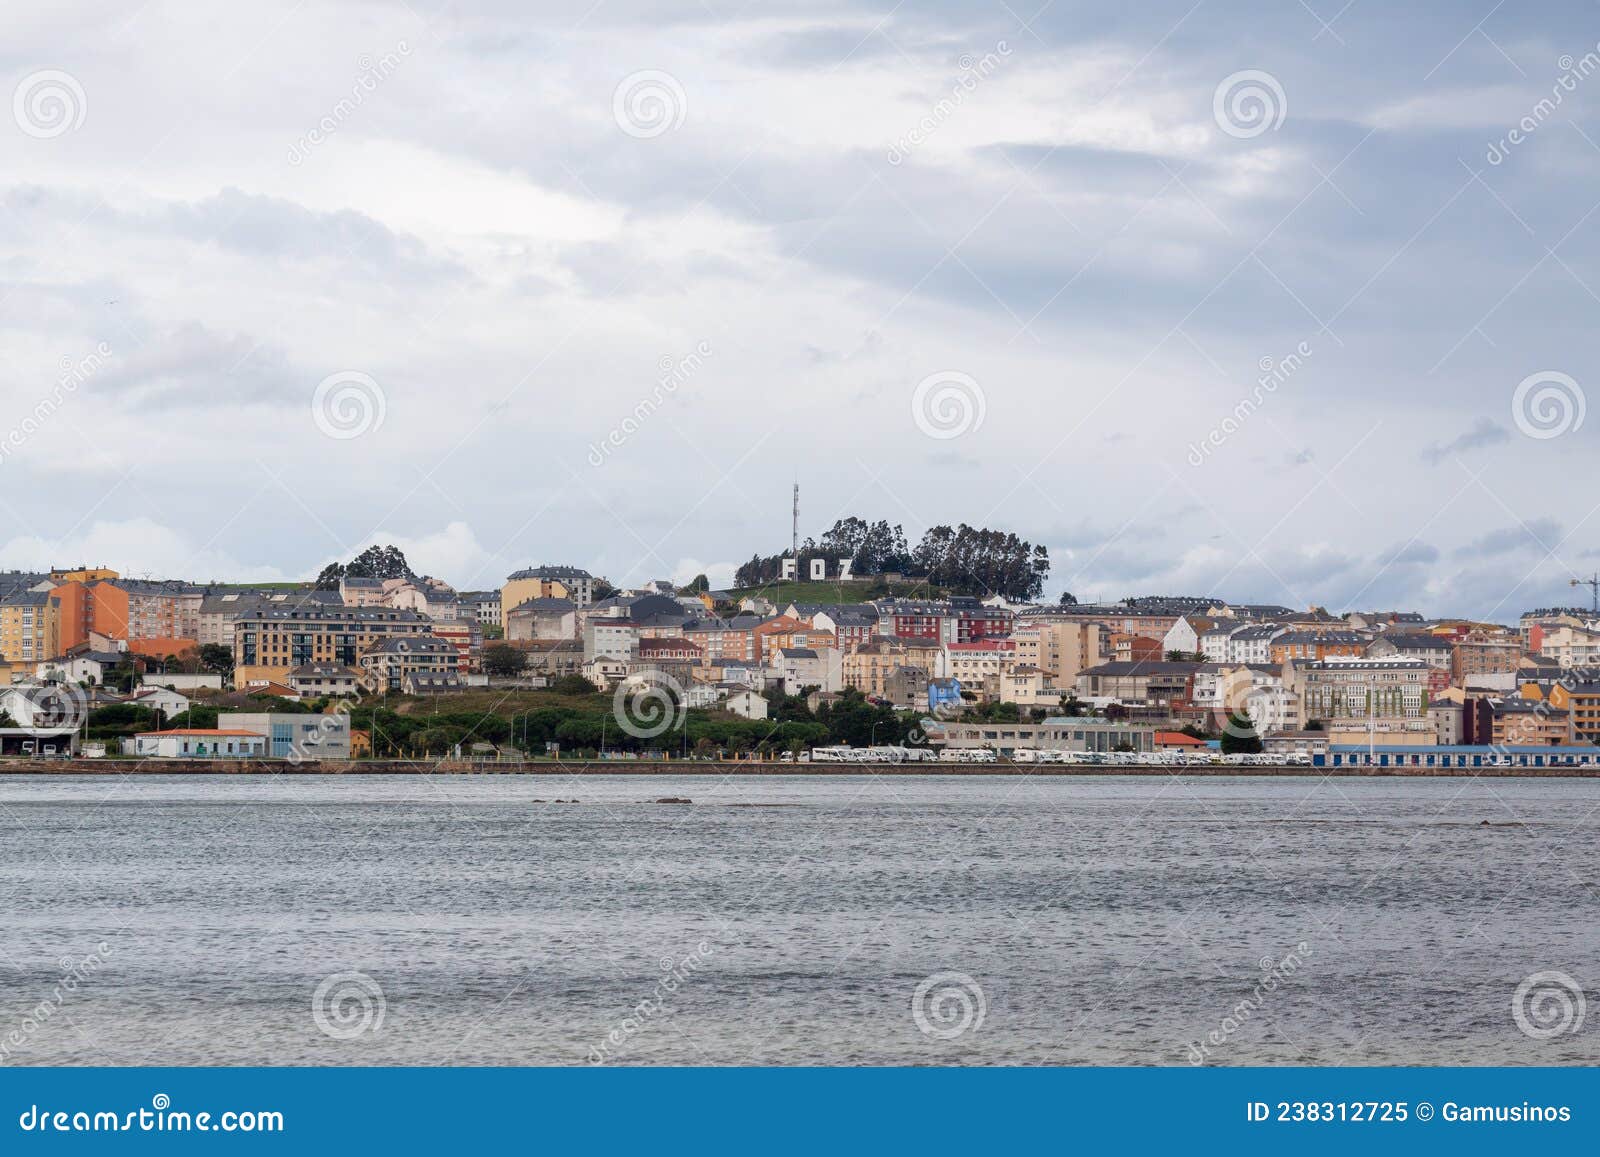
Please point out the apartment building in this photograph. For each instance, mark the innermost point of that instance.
(482, 605)
(1434, 650)
(466, 636)
(797, 668)
(543, 619)
(546, 582)
(1155, 683)
(157, 618)
(330, 680)
(1357, 699)
(973, 663)
(361, 591)
(1317, 646)
(1578, 697)
(961, 619)
(269, 642)
(724, 639)
(1571, 646)
(30, 627)
(1232, 643)
(430, 598)
(391, 663)
(848, 625)
(1133, 648)
(219, 609)
(1484, 654)
(610, 639)
(1515, 721)
(870, 668)
(1060, 648)
(1152, 619)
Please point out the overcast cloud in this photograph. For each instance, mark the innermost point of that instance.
(597, 285)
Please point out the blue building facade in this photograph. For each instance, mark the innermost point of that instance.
(1464, 758)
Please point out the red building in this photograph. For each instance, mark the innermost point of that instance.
(958, 620)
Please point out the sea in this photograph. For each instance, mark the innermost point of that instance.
(776, 920)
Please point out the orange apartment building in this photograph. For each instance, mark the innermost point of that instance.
(153, 618)
(1318, 646)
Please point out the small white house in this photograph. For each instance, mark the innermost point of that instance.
(748, 704)
(200, 743)
(85, 667)
(169, 703)
(703, 695)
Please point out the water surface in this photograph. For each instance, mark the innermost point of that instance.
(790, 920)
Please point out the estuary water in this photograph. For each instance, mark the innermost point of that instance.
(789, 920)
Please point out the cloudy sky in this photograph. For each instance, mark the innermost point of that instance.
(596, 285)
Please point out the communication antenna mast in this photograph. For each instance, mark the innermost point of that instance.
(1592, 583)
(795, 530)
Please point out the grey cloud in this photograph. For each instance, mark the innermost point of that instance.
(1409, 554)
(1486, 432)
(1541, 534)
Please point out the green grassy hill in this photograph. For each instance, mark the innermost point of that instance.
(836, 592)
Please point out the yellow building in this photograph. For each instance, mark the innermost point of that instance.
(868, 668)
(1581, 701)
(546, 582)
(30, 627)
(84, 575)
(1058, 648)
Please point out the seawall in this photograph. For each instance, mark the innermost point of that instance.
(113, 767)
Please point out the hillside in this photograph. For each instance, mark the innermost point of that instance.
(836, 592)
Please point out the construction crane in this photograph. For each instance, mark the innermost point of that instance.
(1593, 584)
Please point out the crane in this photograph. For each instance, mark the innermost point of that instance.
(1593, 584)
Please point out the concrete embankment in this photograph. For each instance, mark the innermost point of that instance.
(112, 767)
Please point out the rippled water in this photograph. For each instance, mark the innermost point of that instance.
(1091, 920)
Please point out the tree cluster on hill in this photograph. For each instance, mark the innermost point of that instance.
(379, 562)
(962, 559)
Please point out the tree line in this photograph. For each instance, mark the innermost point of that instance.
(963, 559)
